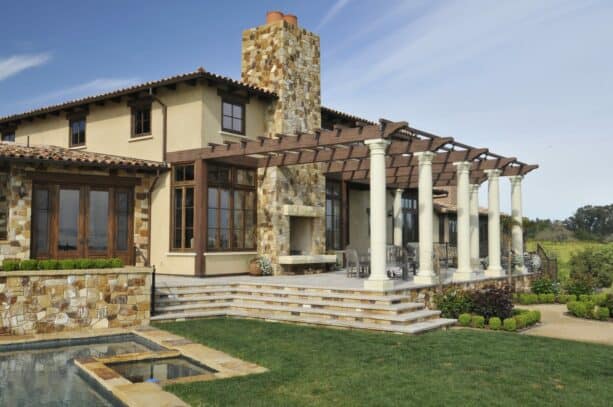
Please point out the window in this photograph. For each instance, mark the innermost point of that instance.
(8, 136)
(232, 117)
(77, 132)
(141, 120)
(231, 208)
(333, 215)
(452, 221)
(410, 231)
(183, 207)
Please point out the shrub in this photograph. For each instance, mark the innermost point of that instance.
(509, 324)
(608, 302)
(491, 301)
(453, 302)
(116, 263)
(528, 299)
(584, 297)
(10, 264)
(565, 298)
(101, 263)
(521, 320)
(547, 298)
(599, 299)
(533, 317)
(67, 264)
(544, 285)
(601, 313)
(478, 321)
(593, 265)
(495, 323)
(48, 264)
(28, 264)
(537, 315)
(579, 286)
(465, 319)
(578, 308)
(85, 263)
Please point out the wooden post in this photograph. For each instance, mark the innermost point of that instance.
(200, 216)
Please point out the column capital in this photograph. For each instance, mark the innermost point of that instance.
(462, 166)
(399, 190)
(377, 144)
(516, 179)
(491, 174)
(425, 157)
(475, 187)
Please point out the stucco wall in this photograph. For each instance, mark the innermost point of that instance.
(51, 301)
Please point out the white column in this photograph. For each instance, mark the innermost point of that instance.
(474, 228)
(517, 238)
(494, 268)
(464, 271)
(398, 217)
(425, 274)
(378, 279)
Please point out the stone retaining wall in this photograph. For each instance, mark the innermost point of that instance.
(520, 283)
(61, 300)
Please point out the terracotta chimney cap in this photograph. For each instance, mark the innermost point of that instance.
(291, 19)
(273, 17)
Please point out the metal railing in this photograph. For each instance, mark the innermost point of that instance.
(549, 264)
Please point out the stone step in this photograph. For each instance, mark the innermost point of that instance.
(412, 329)
(209, 290)
(181, 303)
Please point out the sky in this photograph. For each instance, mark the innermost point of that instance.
(529, 79)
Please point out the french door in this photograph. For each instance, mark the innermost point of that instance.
(74, 221)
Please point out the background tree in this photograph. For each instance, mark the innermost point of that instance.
(592, 223)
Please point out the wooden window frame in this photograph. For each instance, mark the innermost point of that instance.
(408, 197)
(8, 133)
(243, 119)
(335, 217)
(72, 120)
(136, 109)
(232, 186)
(183, 185)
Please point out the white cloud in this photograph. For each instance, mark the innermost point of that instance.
(14, 64)
(332, 12)
(91, 88)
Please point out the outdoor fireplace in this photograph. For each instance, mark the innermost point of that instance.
(300, 235)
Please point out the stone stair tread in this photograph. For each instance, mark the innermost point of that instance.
(173, 316)
(414, 328)
(279, 292)
(172, 308)
(403, 306)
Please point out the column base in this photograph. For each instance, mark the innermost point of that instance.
(494, 272)
(460, 275)
(379, 285)
(425, 278)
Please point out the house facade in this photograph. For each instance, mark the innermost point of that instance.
(183, 173)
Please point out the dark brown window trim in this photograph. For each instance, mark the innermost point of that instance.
(71, 120)
(183, 185)
(232, 186)
(136, 106)
(234, 102)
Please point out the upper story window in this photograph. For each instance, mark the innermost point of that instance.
(141, 120)
(233, 117)
(8, 136)
(77, 132)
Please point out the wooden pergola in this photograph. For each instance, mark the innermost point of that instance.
(346, 157)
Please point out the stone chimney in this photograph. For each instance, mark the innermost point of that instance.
(284, 58)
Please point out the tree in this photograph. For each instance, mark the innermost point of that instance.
(592, 222)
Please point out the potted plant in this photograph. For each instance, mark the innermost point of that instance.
(260, 266)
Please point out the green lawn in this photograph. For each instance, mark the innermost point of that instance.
(563, 251)
(327, 367)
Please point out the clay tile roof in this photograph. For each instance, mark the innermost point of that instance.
(53, 154)
(346, 116)
(200, 73)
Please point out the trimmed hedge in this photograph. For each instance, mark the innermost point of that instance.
(509, 324)
(66, 264)
(465, 319)
(478, 321)
(495, 323)
(591, 308)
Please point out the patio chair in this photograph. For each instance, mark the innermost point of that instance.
(352, 262)
(394, 261)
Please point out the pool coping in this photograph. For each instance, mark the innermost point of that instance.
(146, 394)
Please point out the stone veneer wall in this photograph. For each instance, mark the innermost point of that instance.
(285, 59)
(4, 206)
(279, 186)
(42, 302)
(141, 220)
(17, 243)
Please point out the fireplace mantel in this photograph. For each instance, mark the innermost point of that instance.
(304, 211)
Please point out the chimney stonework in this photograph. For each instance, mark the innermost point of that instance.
(284, 58)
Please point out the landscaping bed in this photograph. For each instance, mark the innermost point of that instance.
(64, 264)
(520, 320)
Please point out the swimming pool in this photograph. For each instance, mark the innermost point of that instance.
(42, 373)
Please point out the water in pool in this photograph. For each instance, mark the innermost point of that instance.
(160, 370)
(48, 377)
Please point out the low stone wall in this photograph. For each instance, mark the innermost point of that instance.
(520, 283)
(60, 300)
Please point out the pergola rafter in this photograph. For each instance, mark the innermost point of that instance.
(344, 154)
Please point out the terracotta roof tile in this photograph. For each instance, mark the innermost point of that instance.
(197, 74)
(42, 153)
